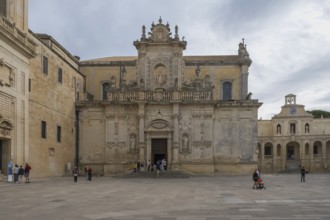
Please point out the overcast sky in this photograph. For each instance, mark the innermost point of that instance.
(288, 41)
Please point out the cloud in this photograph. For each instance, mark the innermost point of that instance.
(287, 40)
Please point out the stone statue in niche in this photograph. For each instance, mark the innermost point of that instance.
(132, 141)
(141, 83)
(160, 75)
(185, 142)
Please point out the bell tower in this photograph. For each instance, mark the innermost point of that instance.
(290, 99)
(160, 60)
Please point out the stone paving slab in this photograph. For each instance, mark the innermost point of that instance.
(196, 198)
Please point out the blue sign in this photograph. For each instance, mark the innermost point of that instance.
(10, 168)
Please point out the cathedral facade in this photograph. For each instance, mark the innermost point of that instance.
(193, 111)
(196, 112)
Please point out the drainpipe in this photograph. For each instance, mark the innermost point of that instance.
(76, 161)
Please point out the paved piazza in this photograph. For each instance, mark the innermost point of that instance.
(197, 198)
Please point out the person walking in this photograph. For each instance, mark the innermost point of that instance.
(75, 173)
(303, 173)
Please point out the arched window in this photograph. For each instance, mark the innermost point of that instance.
(226, 87)
(105, 90)
(278, 129)
(306, 128)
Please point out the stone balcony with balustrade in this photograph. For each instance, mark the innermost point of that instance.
(17, 38)
(184, 97)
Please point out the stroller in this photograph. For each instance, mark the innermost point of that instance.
(260, 184)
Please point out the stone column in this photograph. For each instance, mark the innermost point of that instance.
(262, 155)
(142, 144)
(141, 153)
(169, 148)
(274, 158)
(324, 155)
(283, 155)
(244, 88)
(311, 154)
(302, 154)
(175, 145)
(148, 146)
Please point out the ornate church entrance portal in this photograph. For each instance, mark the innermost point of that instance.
(158, 150)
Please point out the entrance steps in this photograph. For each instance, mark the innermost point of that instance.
(154, 175)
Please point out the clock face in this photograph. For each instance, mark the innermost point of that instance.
(293, 111)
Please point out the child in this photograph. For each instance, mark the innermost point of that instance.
(260, 184)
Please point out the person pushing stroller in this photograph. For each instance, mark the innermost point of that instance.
(258, 184)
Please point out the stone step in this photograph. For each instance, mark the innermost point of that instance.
(153, 175)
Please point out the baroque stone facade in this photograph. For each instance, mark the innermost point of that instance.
(292, 139)
(39, 84)
(193, 111)
(16, 49)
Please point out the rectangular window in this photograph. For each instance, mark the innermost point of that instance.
(268, 151)
(59, 75)
(43, 129)
(59, 131)
(45, 65)
(30, 85)
(315, 150)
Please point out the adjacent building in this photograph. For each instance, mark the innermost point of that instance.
(17, 47)
(292, 139)
(39, 85)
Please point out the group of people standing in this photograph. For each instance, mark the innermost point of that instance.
(160, 165)
(88, 173)
(20, 172)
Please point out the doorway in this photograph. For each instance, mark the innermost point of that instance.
(158, 149)
(1, 155)
(4, 155)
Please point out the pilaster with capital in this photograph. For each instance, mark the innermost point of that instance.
(141, 132)
(175, 145)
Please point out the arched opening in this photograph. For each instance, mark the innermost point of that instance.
(317, 149)
(278, 129)
(306, 128)
(268, 150)
(292, 156)
(327, 154)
